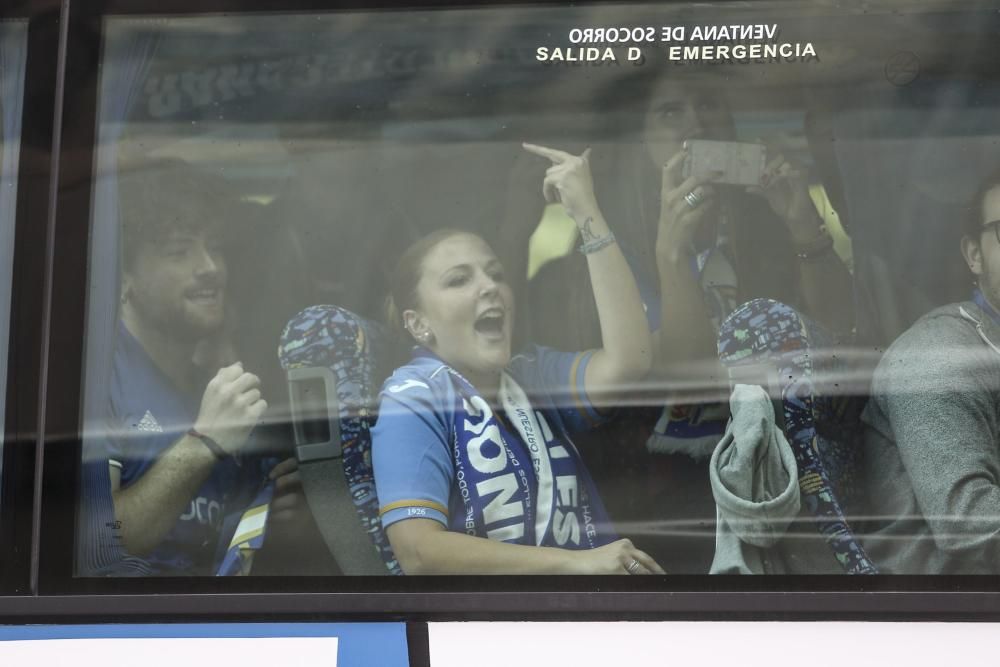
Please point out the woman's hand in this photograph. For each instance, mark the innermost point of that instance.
(786, 188)
(288, 501)
(825, 286)
(626, 349)
(619, 557)
(684, 205)
(568, 181)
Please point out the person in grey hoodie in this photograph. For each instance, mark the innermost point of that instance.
(932, 445)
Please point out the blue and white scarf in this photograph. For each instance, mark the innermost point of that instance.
(532, 489)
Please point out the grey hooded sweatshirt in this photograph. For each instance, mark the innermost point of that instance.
(756, 487)
(932, 447)
(763, 528)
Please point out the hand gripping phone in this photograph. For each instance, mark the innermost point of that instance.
(739, 163)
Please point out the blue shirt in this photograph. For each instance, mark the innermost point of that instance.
(412, 439)
(148, 414)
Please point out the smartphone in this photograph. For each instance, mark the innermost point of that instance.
(739, 163)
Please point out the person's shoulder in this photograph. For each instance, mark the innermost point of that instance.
(136, 387)
(944, 350)
(955, 323)
(529, 357)
(529, 353)
(538, 366)
(420, 389)
(420, 371)
(422, 384)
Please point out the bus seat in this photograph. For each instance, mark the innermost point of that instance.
(330, 357)
(768, 343)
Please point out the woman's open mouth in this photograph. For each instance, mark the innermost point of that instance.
(490, 323)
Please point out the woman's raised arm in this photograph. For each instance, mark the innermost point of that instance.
(626, 354)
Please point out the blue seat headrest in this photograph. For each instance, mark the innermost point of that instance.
(349, 346)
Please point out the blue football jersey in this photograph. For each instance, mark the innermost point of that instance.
(147, 414)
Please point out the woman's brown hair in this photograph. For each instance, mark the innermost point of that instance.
(404, 279)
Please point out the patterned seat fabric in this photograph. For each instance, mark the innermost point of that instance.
(823, 430)
(350, 346)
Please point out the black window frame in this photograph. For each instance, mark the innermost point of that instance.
(28, 293)
(45, 391)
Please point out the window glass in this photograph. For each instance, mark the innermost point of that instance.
(13, 47)
(589, 290)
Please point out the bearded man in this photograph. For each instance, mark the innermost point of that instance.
(181, 408)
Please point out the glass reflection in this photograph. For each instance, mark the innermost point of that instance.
(638, 304)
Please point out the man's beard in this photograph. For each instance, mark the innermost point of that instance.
(178, 324)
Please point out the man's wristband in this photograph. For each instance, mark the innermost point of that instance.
(212, 445)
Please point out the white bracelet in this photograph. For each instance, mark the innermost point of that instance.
(597, 244)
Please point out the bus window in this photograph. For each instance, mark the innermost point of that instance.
(588, 290)
(13, 47)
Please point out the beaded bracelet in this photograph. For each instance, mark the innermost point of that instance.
(597, 244)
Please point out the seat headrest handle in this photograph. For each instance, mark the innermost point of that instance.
(312, 392)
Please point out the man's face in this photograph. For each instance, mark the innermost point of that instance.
(178, 283)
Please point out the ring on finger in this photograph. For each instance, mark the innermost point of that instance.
(694, 199)
(632, 567)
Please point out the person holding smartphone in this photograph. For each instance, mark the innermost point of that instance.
(699, 249)
(719, 245)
